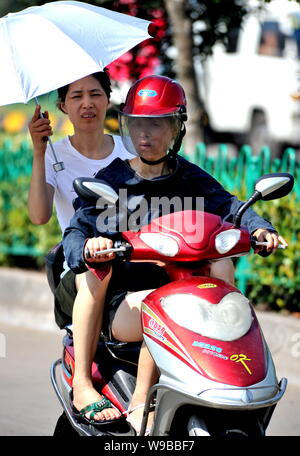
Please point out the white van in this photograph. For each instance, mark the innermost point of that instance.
(251, 88)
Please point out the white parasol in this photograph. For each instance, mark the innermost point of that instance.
(46, 47)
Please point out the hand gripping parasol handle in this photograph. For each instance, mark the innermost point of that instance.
(57, 166)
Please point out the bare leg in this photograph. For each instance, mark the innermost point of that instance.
(87, 322)
(147, 375)
(127, 328)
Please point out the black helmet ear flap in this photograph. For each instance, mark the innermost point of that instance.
(175, 149)
(182, 112)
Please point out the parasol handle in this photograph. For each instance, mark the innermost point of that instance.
(57, 166)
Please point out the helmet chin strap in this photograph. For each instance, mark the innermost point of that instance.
(154, 162)
(172, 154)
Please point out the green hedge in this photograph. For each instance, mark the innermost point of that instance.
(275, 280)
(18, 236)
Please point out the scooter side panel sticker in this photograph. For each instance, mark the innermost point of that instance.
(68, 366)
(209, 349)
(241, 358)
(155, 328)
(158, 329)
(207, 285)
(210, 356)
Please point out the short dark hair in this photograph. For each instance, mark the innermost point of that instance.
(101, 76)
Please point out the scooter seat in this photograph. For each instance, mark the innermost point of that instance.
(125, 351)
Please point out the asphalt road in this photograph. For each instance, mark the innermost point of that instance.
(28, 404)
(29, 407)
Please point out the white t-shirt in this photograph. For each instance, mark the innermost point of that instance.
(76, 165)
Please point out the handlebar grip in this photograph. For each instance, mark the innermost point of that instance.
(87, 253)
(113, 250)
(119, 249)
(280, 246)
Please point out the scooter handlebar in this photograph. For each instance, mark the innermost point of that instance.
(255, 243)
(119, 249)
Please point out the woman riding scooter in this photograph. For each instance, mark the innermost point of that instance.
(152, 127)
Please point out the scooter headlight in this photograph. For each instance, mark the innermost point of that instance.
(228, 320)
(226, 240)
(165, 245)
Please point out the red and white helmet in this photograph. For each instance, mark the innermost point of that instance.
(154, 96)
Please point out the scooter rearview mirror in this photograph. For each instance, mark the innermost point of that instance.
(274, 186)
(89, 188)
(268, 187)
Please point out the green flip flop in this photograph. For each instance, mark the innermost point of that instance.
(94, 408)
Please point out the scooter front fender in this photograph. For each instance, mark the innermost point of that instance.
(240, 362)
(169, 400)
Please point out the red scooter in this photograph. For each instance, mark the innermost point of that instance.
(217, 377)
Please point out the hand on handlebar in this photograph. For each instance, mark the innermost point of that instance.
(267, 241)
(92, 247)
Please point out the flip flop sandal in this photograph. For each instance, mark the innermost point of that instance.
(95, 408)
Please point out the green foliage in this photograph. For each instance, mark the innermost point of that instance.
(18, 236)
(275, 280)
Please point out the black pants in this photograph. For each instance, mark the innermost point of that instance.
(126, 277)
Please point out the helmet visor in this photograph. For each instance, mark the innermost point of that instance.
(154, 135)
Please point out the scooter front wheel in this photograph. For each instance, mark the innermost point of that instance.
(64, 428)
(197, 426)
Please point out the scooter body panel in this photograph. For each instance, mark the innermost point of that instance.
(193, 231)
(240, 362)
